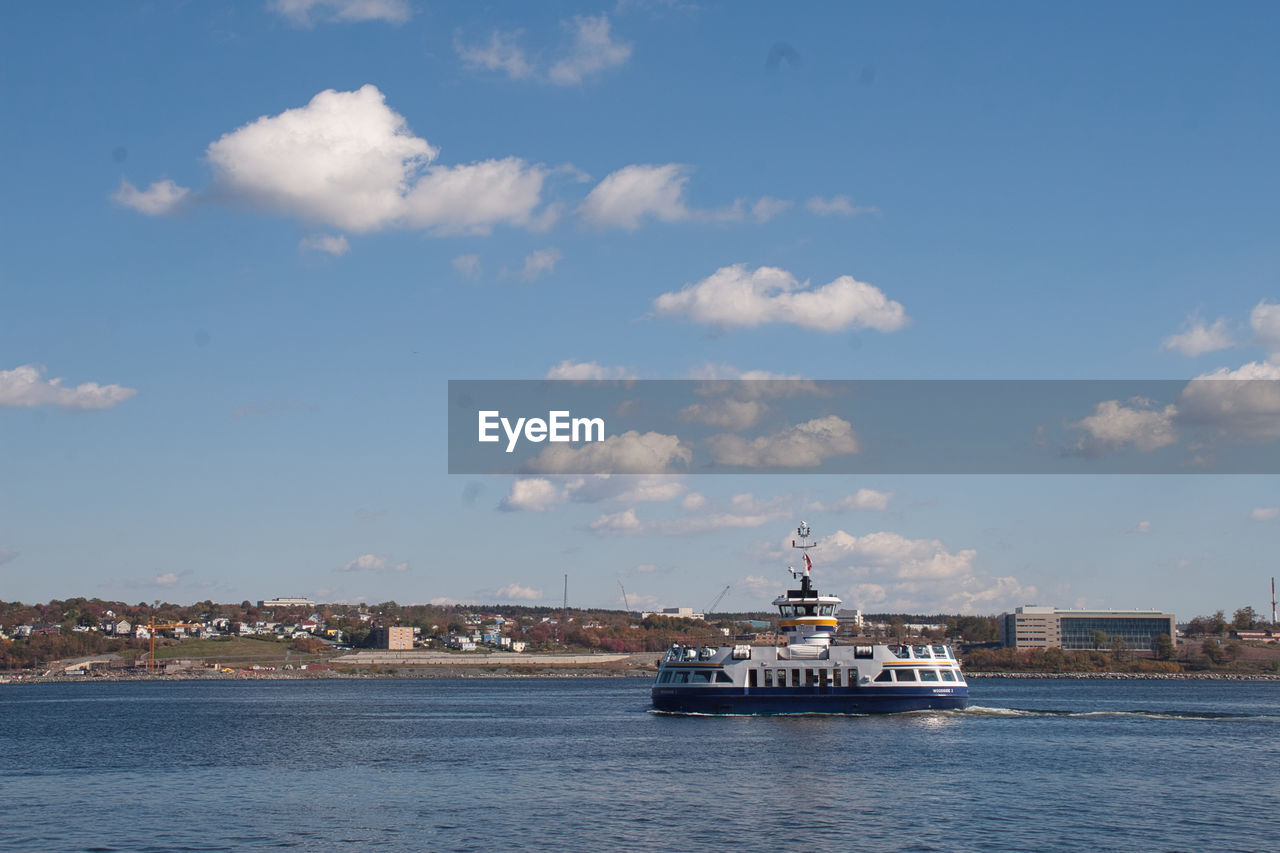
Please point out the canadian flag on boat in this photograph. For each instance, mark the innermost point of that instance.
(808, 564)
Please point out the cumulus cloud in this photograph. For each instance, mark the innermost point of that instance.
(333, 244)
(838, 205)
(737, 297)
(373, 563)
(1198, 338)
(539, 262)
(517, 591)
(1243, 403)
(156, 200)
(583, 370)
(532, 494)
(501, 53)
(593, 50)
(625, 488)
(631, 452)
(617, 522)
(1142, 527)
(804, 445)
(1265, 513)
(166, 579)
(468, 265)
(694, 500)
(26, 387)
(1114, 425)
(902, 558)
(863, 499)
(726, 413)
(1264, 320)
(628, 195)
(305, 13)
(347, 160)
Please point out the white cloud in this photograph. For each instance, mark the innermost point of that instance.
(629, 453)
(626, 196)
(594, 50)
(726, 413)
(1114, 425)
(625, 488)
(863, 499)
(502, 53)
(25, 387)
(532, 494)
(156, 200)
(801, 446)
(646, 568)
(539, 262)
(1264, 320)
(617, 522)
(166, 579)
(1142, 527)
(1241, 403)
(1198, 338)
(768, 207)
(733, 296)
(694, 500)
(523, 593)
(712, 522)
(838, 205)
(989, 595)
(1265, 513)
(334, 244)
(347, 160)
(899, 557)
(468, 265)
(373, 563)
(718, 372)
(581, 370)
(305, 13)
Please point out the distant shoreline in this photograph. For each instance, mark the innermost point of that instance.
(456, 671)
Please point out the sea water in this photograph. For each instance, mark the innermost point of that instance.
(583, 764)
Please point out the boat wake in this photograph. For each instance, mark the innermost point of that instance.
(988, 711)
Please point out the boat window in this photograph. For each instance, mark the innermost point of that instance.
(885, 675)
(795, 678)
(680, 676)
(863, 651)
(906, 675)
(702, 676)
(939, 651)
(664, 677)
(768, 678)
(948, 675)
(921, 651)
(784, 609)
(901, 651)
(959, 677)
(851, 677)
(928, 675)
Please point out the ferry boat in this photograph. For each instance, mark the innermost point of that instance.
(811, 674)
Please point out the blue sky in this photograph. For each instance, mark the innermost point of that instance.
(254, 241)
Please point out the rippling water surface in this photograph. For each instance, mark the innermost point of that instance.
(559, 764)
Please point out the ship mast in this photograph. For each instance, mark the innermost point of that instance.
(803, 532)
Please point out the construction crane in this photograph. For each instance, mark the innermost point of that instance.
(625, 603)
(722, 594)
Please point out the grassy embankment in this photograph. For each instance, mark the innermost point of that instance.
(243, 651)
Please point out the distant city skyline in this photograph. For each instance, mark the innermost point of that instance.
(249, 245)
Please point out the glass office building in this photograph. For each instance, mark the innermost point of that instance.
(1036, 627)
